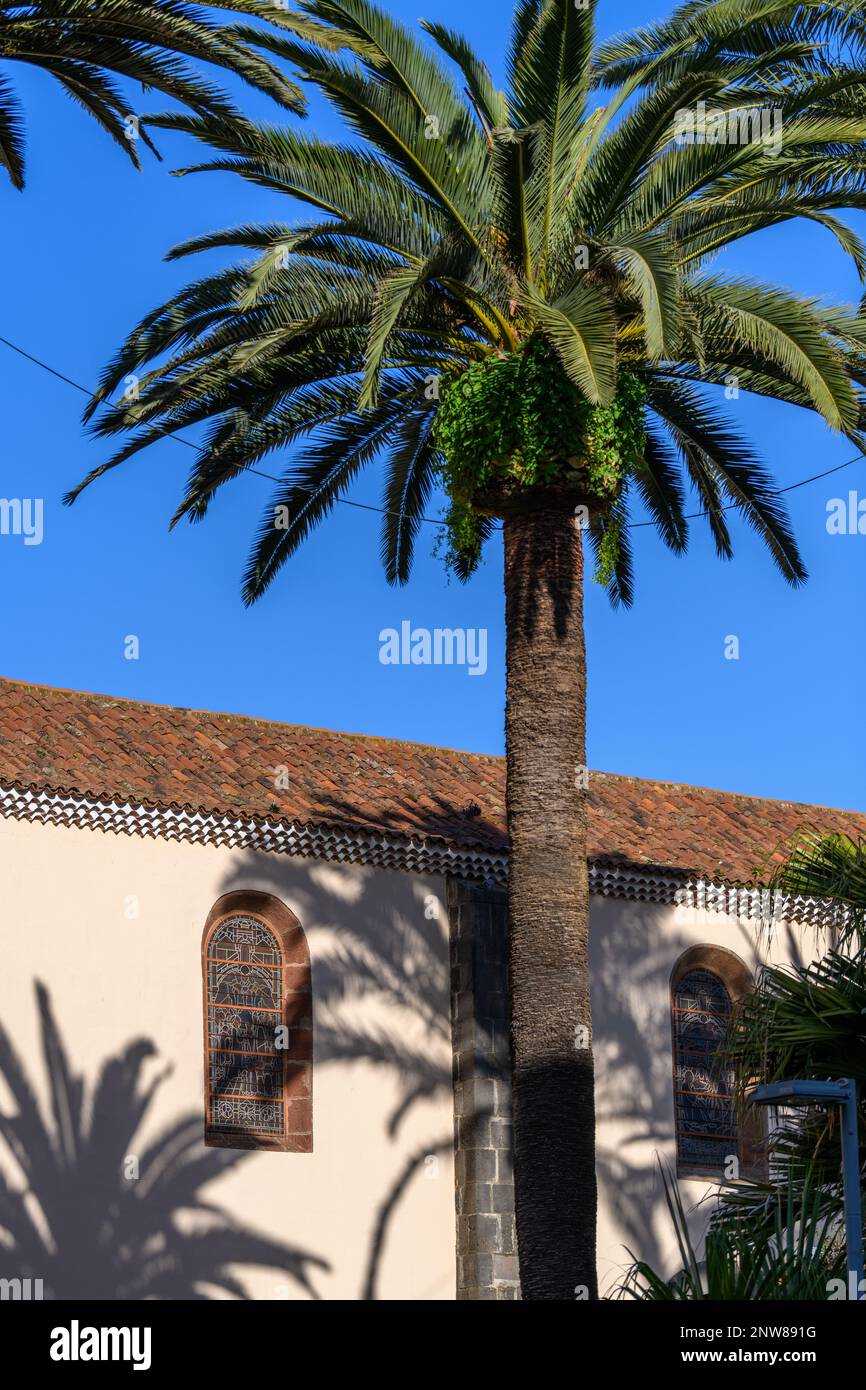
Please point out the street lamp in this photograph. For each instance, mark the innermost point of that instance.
(844, 1094)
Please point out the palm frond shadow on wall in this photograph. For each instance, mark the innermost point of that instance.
(72, 1211)
(393, 957)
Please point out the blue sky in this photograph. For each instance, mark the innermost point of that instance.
(82, 257)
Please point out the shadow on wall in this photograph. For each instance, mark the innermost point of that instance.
(633, 952)
(101, 1217)
(395, 957)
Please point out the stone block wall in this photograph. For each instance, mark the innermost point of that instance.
(486, 1246)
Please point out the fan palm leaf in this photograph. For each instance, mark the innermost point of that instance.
(791, 1257)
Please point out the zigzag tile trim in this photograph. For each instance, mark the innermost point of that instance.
(754, 904)
(348, 846)
(399, 852)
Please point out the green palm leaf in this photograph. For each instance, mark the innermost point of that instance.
(461, 224)
(85, 46)
(11, 134)
(580, 327)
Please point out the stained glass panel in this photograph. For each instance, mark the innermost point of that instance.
(703, 1091)
(247, 1116)
(243, 1074)
(244, 986)
(240, 1030)
(244, 938)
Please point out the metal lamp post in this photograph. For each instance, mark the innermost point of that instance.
(844, 1094)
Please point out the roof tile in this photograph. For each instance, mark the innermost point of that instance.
(97, 745)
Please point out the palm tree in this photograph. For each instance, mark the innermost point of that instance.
(507, 294)
(97, 1216)
(84, 44)
(781, 1236)
(807, 1022)
(795, 1255)
(830, 869)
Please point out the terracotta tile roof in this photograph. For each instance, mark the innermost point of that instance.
(96, 745)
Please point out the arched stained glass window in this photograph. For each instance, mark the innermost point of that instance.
(703, 1092)
(707, 985)
(258, 1026)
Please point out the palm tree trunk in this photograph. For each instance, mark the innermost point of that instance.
(548, 898)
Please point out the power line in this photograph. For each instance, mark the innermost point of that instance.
(693, 516)
(384, 511)
(45, 367)
(188, 444)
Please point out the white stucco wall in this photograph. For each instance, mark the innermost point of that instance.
(634, 947)
(112, 977)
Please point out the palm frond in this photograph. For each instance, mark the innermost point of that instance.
(85, 46)
(722, 465)
(459, 224)
(11, 134)
(490, 104)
